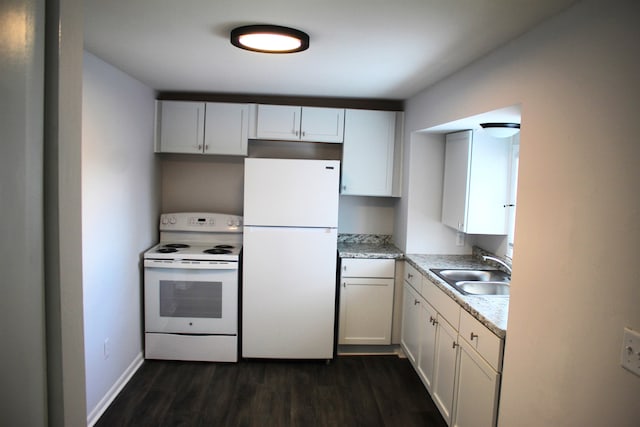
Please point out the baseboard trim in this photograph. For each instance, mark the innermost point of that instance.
(370, 350)
(113, 392)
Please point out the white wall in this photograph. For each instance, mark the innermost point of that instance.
(23, 397)
(418, 226)
(575, 282)
(120, 205)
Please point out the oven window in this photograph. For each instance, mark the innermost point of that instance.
(179, 298)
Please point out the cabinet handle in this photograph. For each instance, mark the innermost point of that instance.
(508, 206)
(304, 133)
(199, 147)
(410, 276)
(416, 302)
(206, 147)
(455, 344)
(433, 321)
(344, 187)
(473, 336)
(344, 285)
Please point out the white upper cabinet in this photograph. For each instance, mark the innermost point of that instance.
(370, 157)
(201, 128)
(476, 183)
(226, 129)
(179, 127)
(292, 123)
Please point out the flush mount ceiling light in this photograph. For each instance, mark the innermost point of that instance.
(269, 39)
(501, 130)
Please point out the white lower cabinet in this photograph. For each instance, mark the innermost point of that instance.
(478, 388)
(427, 335)
(366, 301)
(410, 335)
(457, 358)
(446, 360)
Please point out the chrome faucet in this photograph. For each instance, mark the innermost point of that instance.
(499, 261)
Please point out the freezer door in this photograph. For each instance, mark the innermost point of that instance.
(291, 192)
(288, 293)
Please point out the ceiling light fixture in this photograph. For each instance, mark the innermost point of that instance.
(501, 130)
(269, 39)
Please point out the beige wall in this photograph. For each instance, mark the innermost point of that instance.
(575, 281)
(215, 184)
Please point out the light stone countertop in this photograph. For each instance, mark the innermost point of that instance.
(367, 246)
(491, 311)
(369, 250)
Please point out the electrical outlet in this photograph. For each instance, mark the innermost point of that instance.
(106, 348)
(631, 351)
(459, 238)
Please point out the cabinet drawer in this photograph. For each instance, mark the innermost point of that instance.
(357, 267)
(443, 303)
(412, 276)
(485, 342)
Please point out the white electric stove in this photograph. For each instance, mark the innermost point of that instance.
(191, 288)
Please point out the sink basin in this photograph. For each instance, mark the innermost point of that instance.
(476, 282)
(483, 288)
(474, 275)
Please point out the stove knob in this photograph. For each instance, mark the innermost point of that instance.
(172, 220)
(164, 220)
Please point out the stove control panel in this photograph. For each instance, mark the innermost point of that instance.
(200, 221)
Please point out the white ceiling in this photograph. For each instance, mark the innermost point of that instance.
(359, 48)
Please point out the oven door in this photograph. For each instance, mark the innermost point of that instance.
(191, 297)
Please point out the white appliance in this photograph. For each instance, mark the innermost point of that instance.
(289, 258)
(191, 288)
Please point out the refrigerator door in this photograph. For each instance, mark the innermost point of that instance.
(291, 192)
(288, 288)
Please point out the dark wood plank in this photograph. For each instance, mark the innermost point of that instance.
(350, 391)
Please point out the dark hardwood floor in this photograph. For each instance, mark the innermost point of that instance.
(350, 391)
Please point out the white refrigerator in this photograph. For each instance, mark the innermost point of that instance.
(289, 258)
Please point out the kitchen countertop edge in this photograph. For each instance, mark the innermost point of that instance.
(491, 311)
(369, 250)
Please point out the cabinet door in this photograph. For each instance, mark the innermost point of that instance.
(488, 185)
(361, 267)
(226, 129)
(478, 386)
(427, 343)
(366, 307)
(367, 156)
(322, 124)
(410, 323)
(446, 358)
(476, 179)
(179, 127)
(457, 162)
(278, 122)
(482, 340)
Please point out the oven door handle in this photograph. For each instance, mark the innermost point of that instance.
(191, 264)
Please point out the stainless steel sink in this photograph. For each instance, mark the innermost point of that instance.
(483, 288)
(474, 275)
(476, 282)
